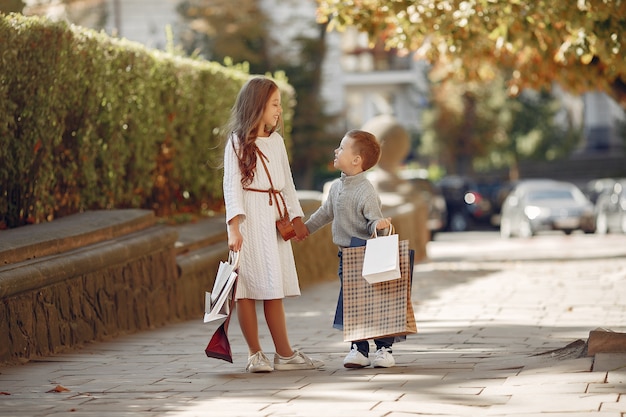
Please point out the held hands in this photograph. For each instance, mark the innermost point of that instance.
(383, 223)
(302, 232)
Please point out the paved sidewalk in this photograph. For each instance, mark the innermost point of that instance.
(487, 326)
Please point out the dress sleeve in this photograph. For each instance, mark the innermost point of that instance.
(289, 190)
(233, 190)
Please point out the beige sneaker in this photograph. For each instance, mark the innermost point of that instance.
(259, 363)
(297, 361)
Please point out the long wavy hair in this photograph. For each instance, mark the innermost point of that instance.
(245, 119)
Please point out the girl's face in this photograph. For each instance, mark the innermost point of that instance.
(346, 160)
(272, 112)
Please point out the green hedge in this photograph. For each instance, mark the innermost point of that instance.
(93, 122)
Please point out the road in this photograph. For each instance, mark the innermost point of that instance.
(489, 246)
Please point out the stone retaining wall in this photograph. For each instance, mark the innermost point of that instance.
(100, 274)
(124, 282)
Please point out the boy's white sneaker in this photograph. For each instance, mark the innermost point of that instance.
(356, 359)
(384, 358)
(297, 361)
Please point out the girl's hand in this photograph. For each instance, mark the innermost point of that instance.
(302, 232)
(235, 238)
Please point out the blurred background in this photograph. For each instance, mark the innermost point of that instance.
(477, 121)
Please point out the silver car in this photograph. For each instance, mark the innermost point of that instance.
(611, 209)
(538, 205)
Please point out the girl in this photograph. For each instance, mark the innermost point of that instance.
(266, 267)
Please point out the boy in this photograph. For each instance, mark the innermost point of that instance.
(354, 208)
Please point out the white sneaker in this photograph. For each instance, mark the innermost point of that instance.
(384, 358)
(259, 363)
(297, 361)
(355, 359)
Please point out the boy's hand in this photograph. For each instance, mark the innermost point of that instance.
(302, 232)
(383, 223)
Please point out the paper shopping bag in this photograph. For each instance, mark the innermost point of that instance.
(219, 345)
(372, 311)
(216, 306)
(381, 261)
(218, 309)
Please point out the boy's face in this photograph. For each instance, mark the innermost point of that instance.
(346, 160)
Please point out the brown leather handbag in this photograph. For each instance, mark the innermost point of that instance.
(284, 225)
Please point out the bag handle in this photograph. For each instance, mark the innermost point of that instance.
(233, 259)
(391, 231)
(272, 190)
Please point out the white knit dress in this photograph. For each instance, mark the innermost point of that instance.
(266, 265)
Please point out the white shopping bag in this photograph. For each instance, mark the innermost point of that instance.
(217, 302)
(382, 258)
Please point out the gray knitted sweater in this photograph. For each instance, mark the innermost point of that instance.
(353, 206)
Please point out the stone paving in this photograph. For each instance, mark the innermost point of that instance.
(497, 337)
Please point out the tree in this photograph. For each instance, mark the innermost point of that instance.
(88, 13)
(536, 42)
(477, 126)
(217, 29)
(9, 6)
(313, 145)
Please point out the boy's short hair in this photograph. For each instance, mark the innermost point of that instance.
(366, 145)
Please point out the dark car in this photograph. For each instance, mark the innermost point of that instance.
(611, 209)
(538, 205)
(495, 191)
(501, 194)
(467, 207)
(437, 209)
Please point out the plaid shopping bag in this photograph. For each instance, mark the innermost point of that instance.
(376, 310)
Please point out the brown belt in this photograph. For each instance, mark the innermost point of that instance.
(270, 191)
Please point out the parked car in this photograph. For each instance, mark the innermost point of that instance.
(466, 205)
(538, 205)
(437, 209)
(501, 194)
(595, 187)
(495, 191)
(611, 209)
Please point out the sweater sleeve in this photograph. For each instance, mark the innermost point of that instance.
(233, 190)
(324, 214)
(372, 211)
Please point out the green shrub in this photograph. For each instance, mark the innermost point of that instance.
(92, 122)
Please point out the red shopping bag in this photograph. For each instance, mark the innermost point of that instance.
(219, 345)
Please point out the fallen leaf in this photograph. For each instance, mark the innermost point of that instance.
(58, 388)
(4, 393)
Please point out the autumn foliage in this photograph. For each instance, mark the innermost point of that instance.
(578, 44)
